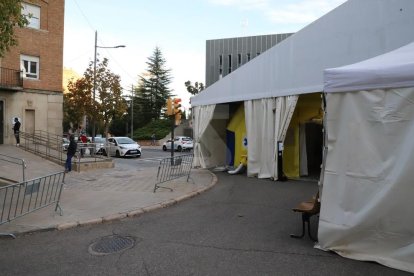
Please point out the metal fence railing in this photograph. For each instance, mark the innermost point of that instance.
(17, 161)
(172, 168)
(11, 78)
(52, 147)
(19, 199)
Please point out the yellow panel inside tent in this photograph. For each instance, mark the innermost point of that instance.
(307, 109)
(237, 124)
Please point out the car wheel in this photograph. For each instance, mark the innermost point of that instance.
(117, 154)
(179, 148)
(164, 148)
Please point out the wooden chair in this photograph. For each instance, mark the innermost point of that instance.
(308, 209)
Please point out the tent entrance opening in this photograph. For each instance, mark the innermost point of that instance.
(314, 146)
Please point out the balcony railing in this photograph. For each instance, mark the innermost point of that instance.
(11, 79)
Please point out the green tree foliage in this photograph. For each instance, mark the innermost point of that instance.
(77, 102)
(160, 128)
(194, 89)
(109, 103)
(120, 126)
(10, 16)
(152, 91)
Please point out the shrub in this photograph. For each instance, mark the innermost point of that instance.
(159, 127)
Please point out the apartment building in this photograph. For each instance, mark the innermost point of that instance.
(31, 72)
(226, 55)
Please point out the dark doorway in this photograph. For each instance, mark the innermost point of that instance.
(314, 145)
(1, 122)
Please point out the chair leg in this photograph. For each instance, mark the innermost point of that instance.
(304, 219)
(309, 231)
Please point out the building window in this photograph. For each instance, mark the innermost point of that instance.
(229, 63)
(32, 14)
(221, 60)
(248, 56)
(30, 66)
(239, 60)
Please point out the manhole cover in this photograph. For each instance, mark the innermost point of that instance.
(111, 244)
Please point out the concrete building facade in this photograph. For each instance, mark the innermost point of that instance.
(31, 73)
(226, 55)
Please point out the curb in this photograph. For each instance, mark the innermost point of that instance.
(129, 214)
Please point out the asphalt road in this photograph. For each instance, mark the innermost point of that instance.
(240, 227)
(149, 158)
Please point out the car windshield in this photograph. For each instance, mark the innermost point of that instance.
(125, 140)
(187, 139)
(65, 140)
(99, 140)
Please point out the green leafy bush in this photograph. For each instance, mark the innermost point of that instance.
(159, 127)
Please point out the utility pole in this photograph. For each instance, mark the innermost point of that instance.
(94, 78)
(132, 112)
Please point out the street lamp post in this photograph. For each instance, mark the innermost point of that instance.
(132, 112)
(94, 78)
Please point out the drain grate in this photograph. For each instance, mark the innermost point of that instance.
(111, 244)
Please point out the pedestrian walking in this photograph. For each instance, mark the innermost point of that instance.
(153, 139)
(16, 130)
(70, 153)
(83, 140)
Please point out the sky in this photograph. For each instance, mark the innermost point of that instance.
(179, 28)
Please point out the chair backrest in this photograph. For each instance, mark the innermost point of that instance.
(316, 204)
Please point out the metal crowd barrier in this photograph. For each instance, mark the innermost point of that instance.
(172, 168)
(17, 161)
(51, 146)
(20, 199)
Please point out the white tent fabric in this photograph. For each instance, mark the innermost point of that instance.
(267, 121)
(285, 106)
(202, 116)
(367, 200)
(295, 66)
(393, 69)
(260, 125)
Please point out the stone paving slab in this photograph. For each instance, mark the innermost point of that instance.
(101, 195)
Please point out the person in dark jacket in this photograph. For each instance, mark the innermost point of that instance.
(16, 130)
(70, 153)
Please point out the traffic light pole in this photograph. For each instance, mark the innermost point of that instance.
(172, 139)
(173, 110)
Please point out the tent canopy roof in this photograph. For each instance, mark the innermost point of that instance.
(296, 65)
(393, 69)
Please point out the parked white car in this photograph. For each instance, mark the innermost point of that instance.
(65, 143)
(99, 145)
(123, 146)
(181, 143)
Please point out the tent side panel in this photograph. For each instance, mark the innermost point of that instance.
(366, 210)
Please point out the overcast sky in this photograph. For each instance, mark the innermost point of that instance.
(180, 28)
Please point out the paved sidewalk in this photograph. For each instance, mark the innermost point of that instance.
(99, 195)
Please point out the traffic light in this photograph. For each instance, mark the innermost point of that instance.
(169, 111)
(177, 111)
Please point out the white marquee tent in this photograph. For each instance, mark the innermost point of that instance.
(367, 201)
(367, 198)
(356, 30)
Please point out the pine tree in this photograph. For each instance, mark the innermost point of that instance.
(152, 91)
